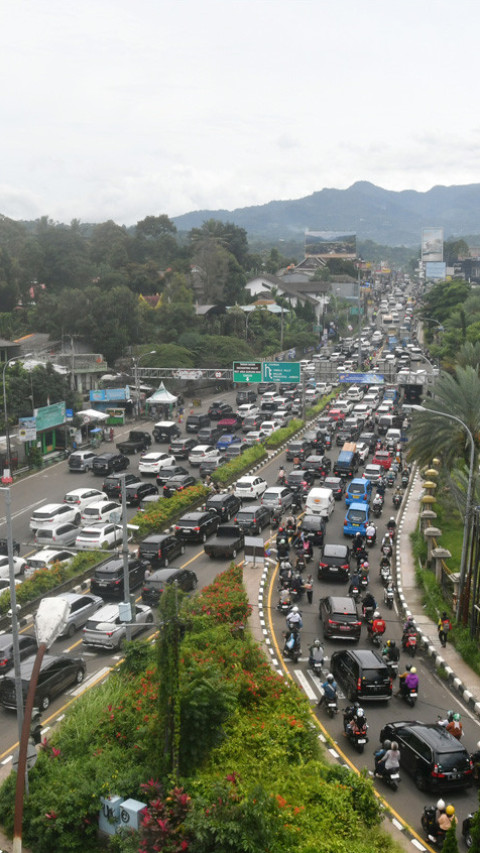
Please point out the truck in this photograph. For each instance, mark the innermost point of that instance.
(227, 543)
(137, 441)
(347, 462)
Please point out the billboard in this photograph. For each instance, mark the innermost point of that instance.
(110, 395)
(432, 244)
(330, 244)
(48, 417)
(436, 270)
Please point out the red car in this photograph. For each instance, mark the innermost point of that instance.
(383, 458)
(336, 415)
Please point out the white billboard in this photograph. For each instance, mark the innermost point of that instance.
(432, 244)
(330, 244)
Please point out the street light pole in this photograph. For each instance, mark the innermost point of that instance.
(8, 477)
(136, 377)
(466, 525)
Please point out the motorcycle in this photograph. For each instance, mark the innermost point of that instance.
(357, 735)
(290, 529)
(281, 479)
(316, 663)
(292, 648)
(409, 694)
(377, 505)
(370, 539)
(388, 596)
(390, 777)
(397, 500)
(368, 612)
(331, 705)
(355, 593)
(285, 601)
(409, 644)
(386, 549)
(276, 519)
(362, 556)
(429, 824)
(364, 581)
(404, 480)
(390, 478)
(392, 667)
(385, 575)
(282, 548)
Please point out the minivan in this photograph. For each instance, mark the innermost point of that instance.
(320, 502)
(362, 673)
(81, 460)
(434, 758)
(196, 422)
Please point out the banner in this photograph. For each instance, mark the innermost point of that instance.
(28, 429)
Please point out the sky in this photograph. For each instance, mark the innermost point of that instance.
(113, 109)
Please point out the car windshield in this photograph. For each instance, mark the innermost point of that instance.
(356, 516)
(91, 511)
(90, 534)
(374, 675)
(246, 515)
(356, 489)
(448, 761)
(188, 522)
(37, 564)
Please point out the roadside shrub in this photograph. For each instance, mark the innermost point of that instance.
(232, 470)
(161, 514)
(280, 436)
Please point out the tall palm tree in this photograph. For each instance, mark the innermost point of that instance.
(433, 435)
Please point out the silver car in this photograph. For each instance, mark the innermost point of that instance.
(80, 608)
(61, 534)
(106, 630)
(277, 497)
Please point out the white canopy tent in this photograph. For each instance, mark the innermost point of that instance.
(161, 397)
(90, 415)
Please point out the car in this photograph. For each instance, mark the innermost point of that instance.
(46, 558)
(251, 487)
(255, 436)
(335, 415)
(165, 474)
(102, 511)
(64, 533)
(277, 498)
(282, 417)
(334, 562)
(336, 484)
(209, 465)
(339, 618)
(57, 673)
(159, 549)
(219, 409)
(344, 434)
(316, 439)
(253, 518)
(245, 410)
(318, 463)
(112, 485)
(108, 577)
(178, 484)
(19, 565)
(156, 583)
(202, 452)
(81, 460)
(81, 606)
(109, 463)
(359, 489)
(148, 500)
(153, 462)
(94, 537)
(355, 393)
(225, 505)
(300, 482)
(234, 451)
(383, 458)
(107, 629)
(270, 426)
(247, 396)
(266, 388)
(373, 473)
(197, 526)
(165, 431)
(313, 526)
(135, 492)
(181, 447)
(226, 440)
(435, 759)
(27, 645)
(82, 497)
(298, 448)
(363, 450)
(363, 675)
(252, 422)
(50, 515)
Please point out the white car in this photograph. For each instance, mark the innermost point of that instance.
(324, 388)
(82, 497)
(250, 487)
(355, 393)
(97, 536)
(49, 515)
(106, 630)
(254, 436)
(202, 452)
(153, 462)
(18, 566)
(102, 511)
(282, 416)
(46, 558)
(269, 426)
(363, 451)
(373, 472)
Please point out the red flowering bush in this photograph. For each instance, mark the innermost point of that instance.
(225, 600)
(162, 827)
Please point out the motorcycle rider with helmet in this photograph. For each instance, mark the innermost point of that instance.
(379, 755)
(294, 619)
(410, 681)
(354, 583)
(377, 625)
(455, 727)
(391, 527)
(316, 653)
(390, 651)
(371, 532)
(329, 688)
(447, 818)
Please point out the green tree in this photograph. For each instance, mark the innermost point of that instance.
(450, 845)
(453, 250)
(109, 245)
(168, 657)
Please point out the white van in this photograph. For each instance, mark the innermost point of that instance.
(320, 502)
(247, 409)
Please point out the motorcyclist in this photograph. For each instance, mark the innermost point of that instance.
(402, 677)
(439, 808)
(381, 486)
(455, 727)
(294, 618)
(388, 594)
(357, 541)
(329, 688)
(447, 818)
(410, 682)
(379, 755)
(390, 652)
(391, 526)
(291, 523)
(409, 626)
(371, 532)
(316, 653)
(281, 475)
(391, 761)
(285, 599)
(297, 584)
(377, 625)
(357, 722)
(354, 583)
(369, 602)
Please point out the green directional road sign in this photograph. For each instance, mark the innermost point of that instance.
(281, 371)
(247, 371)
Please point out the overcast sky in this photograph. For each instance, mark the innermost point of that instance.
(119, 109)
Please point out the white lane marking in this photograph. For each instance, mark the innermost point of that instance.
(397, 824)
(20, 512)
(417, 844)
(85, 684)
(303, 681)
(7, 759)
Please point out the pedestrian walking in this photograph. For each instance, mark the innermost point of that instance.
(444, 626)
(308, 587)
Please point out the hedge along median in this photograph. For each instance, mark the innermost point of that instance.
(229, 472)
(164, 512)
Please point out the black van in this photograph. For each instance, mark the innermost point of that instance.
(165, 431)
(363, 674)
(431, 755)
(195, 422)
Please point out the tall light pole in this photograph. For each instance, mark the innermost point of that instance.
(7, 477)
(136, 361)
(466, 525)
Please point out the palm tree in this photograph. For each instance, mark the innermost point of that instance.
(433, 435)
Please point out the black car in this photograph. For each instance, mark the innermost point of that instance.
(363, 674)
(165, 474)
(165, 431)
(225, 505)
(197, 526)
(344, 434)
(210, 465)
(156, 583)
(339, 618)
(264, 387)
(313, 526)
(27, 646)
(219, 409)
(316, 439)
(57, 672)
(159, 549)
(300, 482)
(336, 484)
(112, 485)
(135, 492)
(253, 518)
(178, 484)
(434, 758)
(320, 465)
(334, 562)
(107, 463)
(246, 397)
(298, 448)
(369, 438)
(181, 447)
(108, 578)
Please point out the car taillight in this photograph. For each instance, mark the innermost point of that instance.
(436, 772)
(159, 553)
(359, 684)
(322, 565)
(345, 523)
(345, 566)
(196, 529)
(109, 633)
(118, 582)
(177, 527)
(4, 662)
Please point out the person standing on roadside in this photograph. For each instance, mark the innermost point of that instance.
(308, 587)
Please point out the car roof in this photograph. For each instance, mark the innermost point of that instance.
(367, 657)
(163, 574)
(434, 735)
(335, 550)
(342, 602)
(47, 553)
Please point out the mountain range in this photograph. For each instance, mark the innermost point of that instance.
(384, 216)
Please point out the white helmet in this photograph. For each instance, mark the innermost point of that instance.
(441, 805)
(330, 677)
(376, 615)
(360, 712)
(295, 609)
